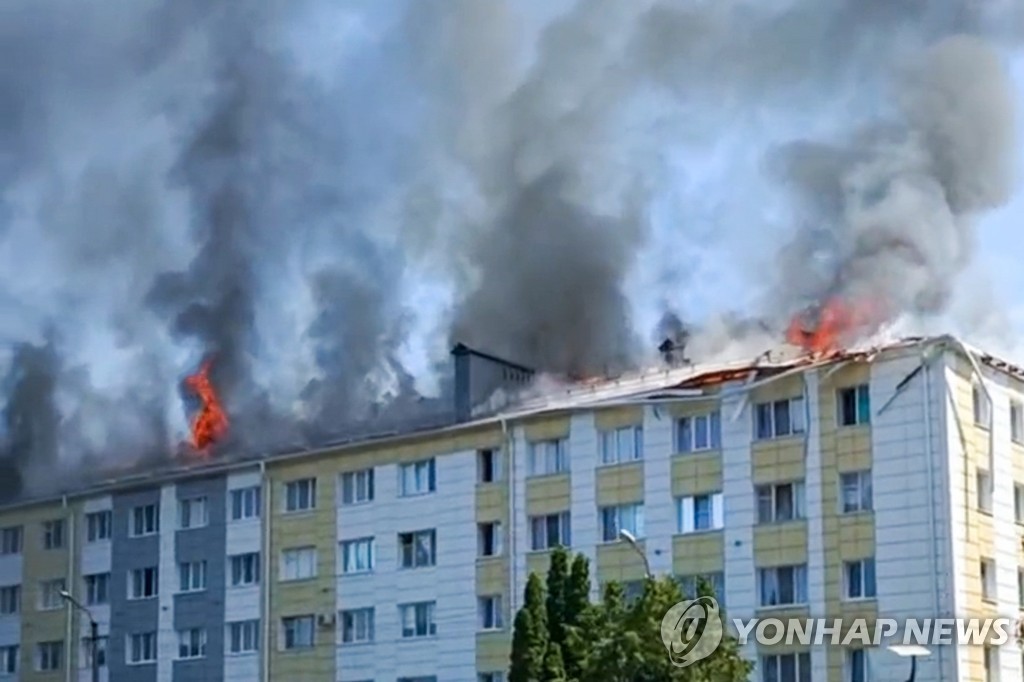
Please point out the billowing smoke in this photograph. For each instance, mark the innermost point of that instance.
(321, 197)
(890, 211)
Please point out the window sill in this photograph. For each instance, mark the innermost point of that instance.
(986, 512)
(247, 519)
(698, 453)
(612, 465)
(489, 631)
(691, 533)
(992, 601)
(490, 558)
(856, 512)
(134, 537)
(297, 650)
(406, 496)
(781, 439)
(143, 598)
(292, 581)
(860, 600)
(417, 638)
(619, 541)
(355, 574)
(179, 659)
(782, 607)
(863, 426)
(182, 530)
(356, 645)
(350, 505)
(777, 524)
(140, 663)
(240, 654)
(299, 512)
(533, 477)
(184, 592)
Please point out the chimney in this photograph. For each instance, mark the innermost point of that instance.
(478, 375)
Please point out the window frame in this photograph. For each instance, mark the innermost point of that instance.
(861, 405)
(611, 444)
(797, 425)
(141, 519)
(300, 495)
(688, 428)
(613, 520)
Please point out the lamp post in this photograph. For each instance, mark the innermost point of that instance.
(910, 651)
(631, 540)
(93, 633)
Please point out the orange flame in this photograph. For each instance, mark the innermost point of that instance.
(211, 422)
(836, 322)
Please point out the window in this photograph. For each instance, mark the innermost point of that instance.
(418, 549)
(300, 495)
(1017, 422)
(244, 636)
(786, 668)
(101, 651)
(9, 659)
(417, 619)
(145, 521)
(298, 632)
(488, 465)
(625, 444)
(245, 569)
(854, 405)
(50, 594)
(10, 540)
(142, 583)
(689, 584)
(98, 526)
(855, 492)
(548, 457)
(97, 589)
(549, 531)
(53, 534)
(783, 585)
(489, 612)
(489, 539)
(984, 482)
(418, 478)
(1018, 502)
(988, 579)
(700, 432)
(192, 643)
(1020, 588)
(624, 517)
(991, 657)
(49, 656)
(856, 666)
(700, 512)
(357, 555)
(246, 503)
(859, 577)
(491, 677)
(10, 600)
(192, 513)
(982, 410)
(298, 563)
(357, 487)
(779, 419)
(421, 678)
(357, 626)
(142, 648)
(780, 502)
(191, 576)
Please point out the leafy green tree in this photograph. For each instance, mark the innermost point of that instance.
(530, 636)
(612, 641)
(554, 671)
(557, 589)
(578, 609)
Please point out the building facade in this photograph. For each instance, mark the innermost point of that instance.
(887, 483)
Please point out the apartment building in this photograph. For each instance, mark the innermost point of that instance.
(880, 483)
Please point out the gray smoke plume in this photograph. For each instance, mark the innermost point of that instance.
(890, 210)
(273, 184)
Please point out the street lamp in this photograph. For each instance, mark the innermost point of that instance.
(631, 540)
(93, 632)
(911, 651)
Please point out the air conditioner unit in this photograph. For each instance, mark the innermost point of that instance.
(325, 620)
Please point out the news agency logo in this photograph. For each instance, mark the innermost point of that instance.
(692, 630)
